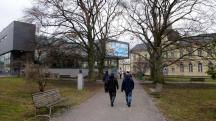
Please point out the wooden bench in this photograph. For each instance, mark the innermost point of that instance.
(197, 79)
(47, 99)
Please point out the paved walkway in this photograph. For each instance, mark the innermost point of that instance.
(98, 108)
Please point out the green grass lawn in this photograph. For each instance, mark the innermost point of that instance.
(188, 102)
(16, 100)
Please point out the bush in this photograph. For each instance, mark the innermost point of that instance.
(212, 73)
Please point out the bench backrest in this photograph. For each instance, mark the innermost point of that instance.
(42, 99)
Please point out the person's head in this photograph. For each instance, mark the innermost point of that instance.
(127, 77)
(112, 75)
(106, 72)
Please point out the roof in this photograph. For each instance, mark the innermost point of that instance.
(138, 48)
(198, 39)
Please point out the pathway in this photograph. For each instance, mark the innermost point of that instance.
(98, 108)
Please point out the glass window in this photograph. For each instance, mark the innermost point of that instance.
(181, 52)
(173, 69)
(200, 67)
(5, 63)
(3, 38)
(181, 67)
(199, 52)
(165, 70)
(190, 51)
(190, 67)
(166, 55)
(172, 54)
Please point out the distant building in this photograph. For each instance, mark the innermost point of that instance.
(19, 44)
(16, 46)
(196, 62)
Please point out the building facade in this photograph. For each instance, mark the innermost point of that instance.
(191, 60)
(16, 46)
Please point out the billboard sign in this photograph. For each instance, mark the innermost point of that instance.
(117, 49)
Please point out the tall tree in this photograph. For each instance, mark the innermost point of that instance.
(79, 21)
(109, 25)
(151, 22)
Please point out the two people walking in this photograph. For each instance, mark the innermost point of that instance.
(111, 86)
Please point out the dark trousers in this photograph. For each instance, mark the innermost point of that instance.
(112, 96)
(128, 97)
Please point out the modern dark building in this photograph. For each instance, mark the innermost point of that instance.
(16, 46)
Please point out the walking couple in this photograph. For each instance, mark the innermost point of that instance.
(111, 86)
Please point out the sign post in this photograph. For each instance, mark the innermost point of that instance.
(80, 83)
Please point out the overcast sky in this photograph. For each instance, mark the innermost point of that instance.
(11, 10)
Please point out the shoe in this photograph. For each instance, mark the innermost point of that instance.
(112, 105)
(129, 104)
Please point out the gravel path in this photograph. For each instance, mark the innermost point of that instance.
(98, 108)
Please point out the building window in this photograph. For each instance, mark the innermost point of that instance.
(3, 38)
(200, 68)
(199, 52)
(209, 51)
(181, 67)
(173, 69)
(166, 55)
(5, 61)
(165, 70)
(190, 51)
(190, 67)
(181, 52)
(172, 54)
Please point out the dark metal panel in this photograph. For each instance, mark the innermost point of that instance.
(6, 39)
(24, 36)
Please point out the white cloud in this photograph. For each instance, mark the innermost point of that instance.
(11, 10)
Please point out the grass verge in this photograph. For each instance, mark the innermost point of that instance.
(16, 100)
(187, 102)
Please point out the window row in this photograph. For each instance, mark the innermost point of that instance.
(190, 67)
(190, 52)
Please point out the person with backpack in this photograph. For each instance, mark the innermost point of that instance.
(105, 80)
(127, 87)
(112, 86)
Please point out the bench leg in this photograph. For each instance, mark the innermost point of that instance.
(50, 111)
(40, 115)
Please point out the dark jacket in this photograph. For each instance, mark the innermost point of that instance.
(112, 84)
(106, 76)
(127, 84)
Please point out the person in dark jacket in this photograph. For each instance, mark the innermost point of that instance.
(112, 86)
(127, 87)
(105, 80)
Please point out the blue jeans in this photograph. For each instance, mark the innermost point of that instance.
(112, 96)
(128, 97)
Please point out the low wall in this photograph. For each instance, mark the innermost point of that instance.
(71, 72)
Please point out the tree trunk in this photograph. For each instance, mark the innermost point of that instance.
(101, 67)
(102, 56)
(152, 68)
(91, 62)
(157, 70)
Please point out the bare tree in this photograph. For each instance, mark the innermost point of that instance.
(73, 19)
(109, 27)
(151, 22)
(79, 21)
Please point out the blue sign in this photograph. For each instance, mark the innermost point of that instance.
(117, 49)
